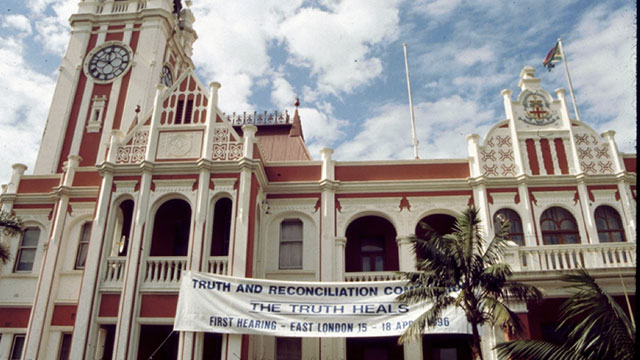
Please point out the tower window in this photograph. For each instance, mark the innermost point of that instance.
(179, 111)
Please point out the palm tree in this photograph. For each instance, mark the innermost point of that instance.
(593, 324)
(461, 260)
(9, 225)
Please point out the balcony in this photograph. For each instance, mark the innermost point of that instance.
(158, 272)
(571, 257)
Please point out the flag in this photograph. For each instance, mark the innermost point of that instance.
(553, 56)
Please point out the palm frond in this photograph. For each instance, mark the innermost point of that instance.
(501, 315)
(5, 254)
(535, 350)
(596, 324)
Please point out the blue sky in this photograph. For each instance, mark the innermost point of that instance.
(345, 61)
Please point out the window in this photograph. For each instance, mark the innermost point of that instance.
(65, 347)
(558, 227)
(288, 348)
(372, 254)
(17, 347)
(27, 250)
(609, 225)
(515, 228)
(291, 244)
(83, 245)
(171, 227)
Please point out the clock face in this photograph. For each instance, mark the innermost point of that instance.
(108, 62)
(166, 78)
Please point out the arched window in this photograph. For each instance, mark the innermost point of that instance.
(122, 228)
(221, 230)
(609, 224)
(559, 227)
(371, 245)
(171, 229)
(515, 224)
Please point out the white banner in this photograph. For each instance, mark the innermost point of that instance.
(224, 304)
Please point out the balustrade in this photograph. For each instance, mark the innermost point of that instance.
(571, 257)
(163, 272)
(219, 265)
(114, 272)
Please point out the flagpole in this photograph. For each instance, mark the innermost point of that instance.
(566, 68)
(413, 121)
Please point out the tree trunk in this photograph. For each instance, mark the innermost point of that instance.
(476, 350)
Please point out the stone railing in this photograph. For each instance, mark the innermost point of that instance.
(164, 272)
(219, 265)
(114, 272)
(372, 276)
(570, 257)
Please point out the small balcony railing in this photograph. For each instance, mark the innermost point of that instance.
(570, 257)
(114, 272)
(372, 276)
(158, 272)
(164, 272)
(219, 265)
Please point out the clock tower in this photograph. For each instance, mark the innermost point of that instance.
(118, 52)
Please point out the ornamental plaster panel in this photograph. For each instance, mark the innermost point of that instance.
(125, 187)
(496, 155)
(593, 153)
(544, 199)
(604, 196)
(226, 184)
(82, 209)
(276, 207)
(179, 145)
(179, 186)
(388, 208)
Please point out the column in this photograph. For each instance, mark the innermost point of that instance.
(89, 291)
(589, 222)
(528, 221)
(9, 193)
(407, 262)
(238, 258)
(127, 329)
(42, 307)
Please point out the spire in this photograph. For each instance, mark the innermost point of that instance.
(296, 125)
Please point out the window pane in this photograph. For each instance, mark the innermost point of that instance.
(548, 225)
(372, 245)
(30, 237)
(288, 348)
(550, 239)
(25, 259)
(570, 239)
(16, 349)
(379, 263)
(603, 237)
(82, 255)
(568, 224)
(617, 236)
(290, 244)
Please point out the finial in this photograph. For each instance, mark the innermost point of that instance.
(297, 103)
(137, 109)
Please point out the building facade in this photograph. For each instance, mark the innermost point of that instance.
(140, 176)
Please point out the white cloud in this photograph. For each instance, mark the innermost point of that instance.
(336, 45)
(436, 7)
(321, 129)
(441, 127)
(601, 53)
(18, 22)
(24, 105)
(470, 57)
(52, 23)
(282, 94)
